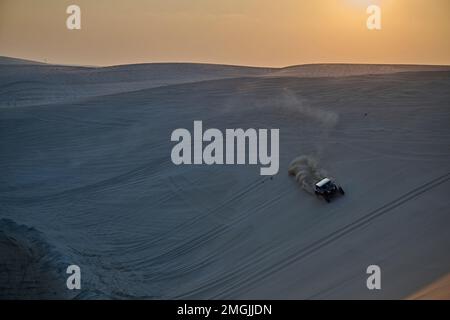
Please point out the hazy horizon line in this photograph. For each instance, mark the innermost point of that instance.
(221, 64)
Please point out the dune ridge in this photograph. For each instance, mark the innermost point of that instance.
(86, 165)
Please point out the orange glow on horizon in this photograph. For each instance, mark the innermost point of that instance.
(242, 32)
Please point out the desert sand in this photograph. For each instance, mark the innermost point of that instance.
(86, 178)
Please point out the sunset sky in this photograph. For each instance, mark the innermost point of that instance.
(243, 32)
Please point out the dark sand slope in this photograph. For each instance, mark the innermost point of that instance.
(93, 177)
(28, 268)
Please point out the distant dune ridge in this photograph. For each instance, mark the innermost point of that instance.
(86, 179)
(345, 70)
(39, 83)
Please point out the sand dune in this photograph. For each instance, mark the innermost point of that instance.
(30, 267)
(86, 166)
(346, 70)
(27, 83)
